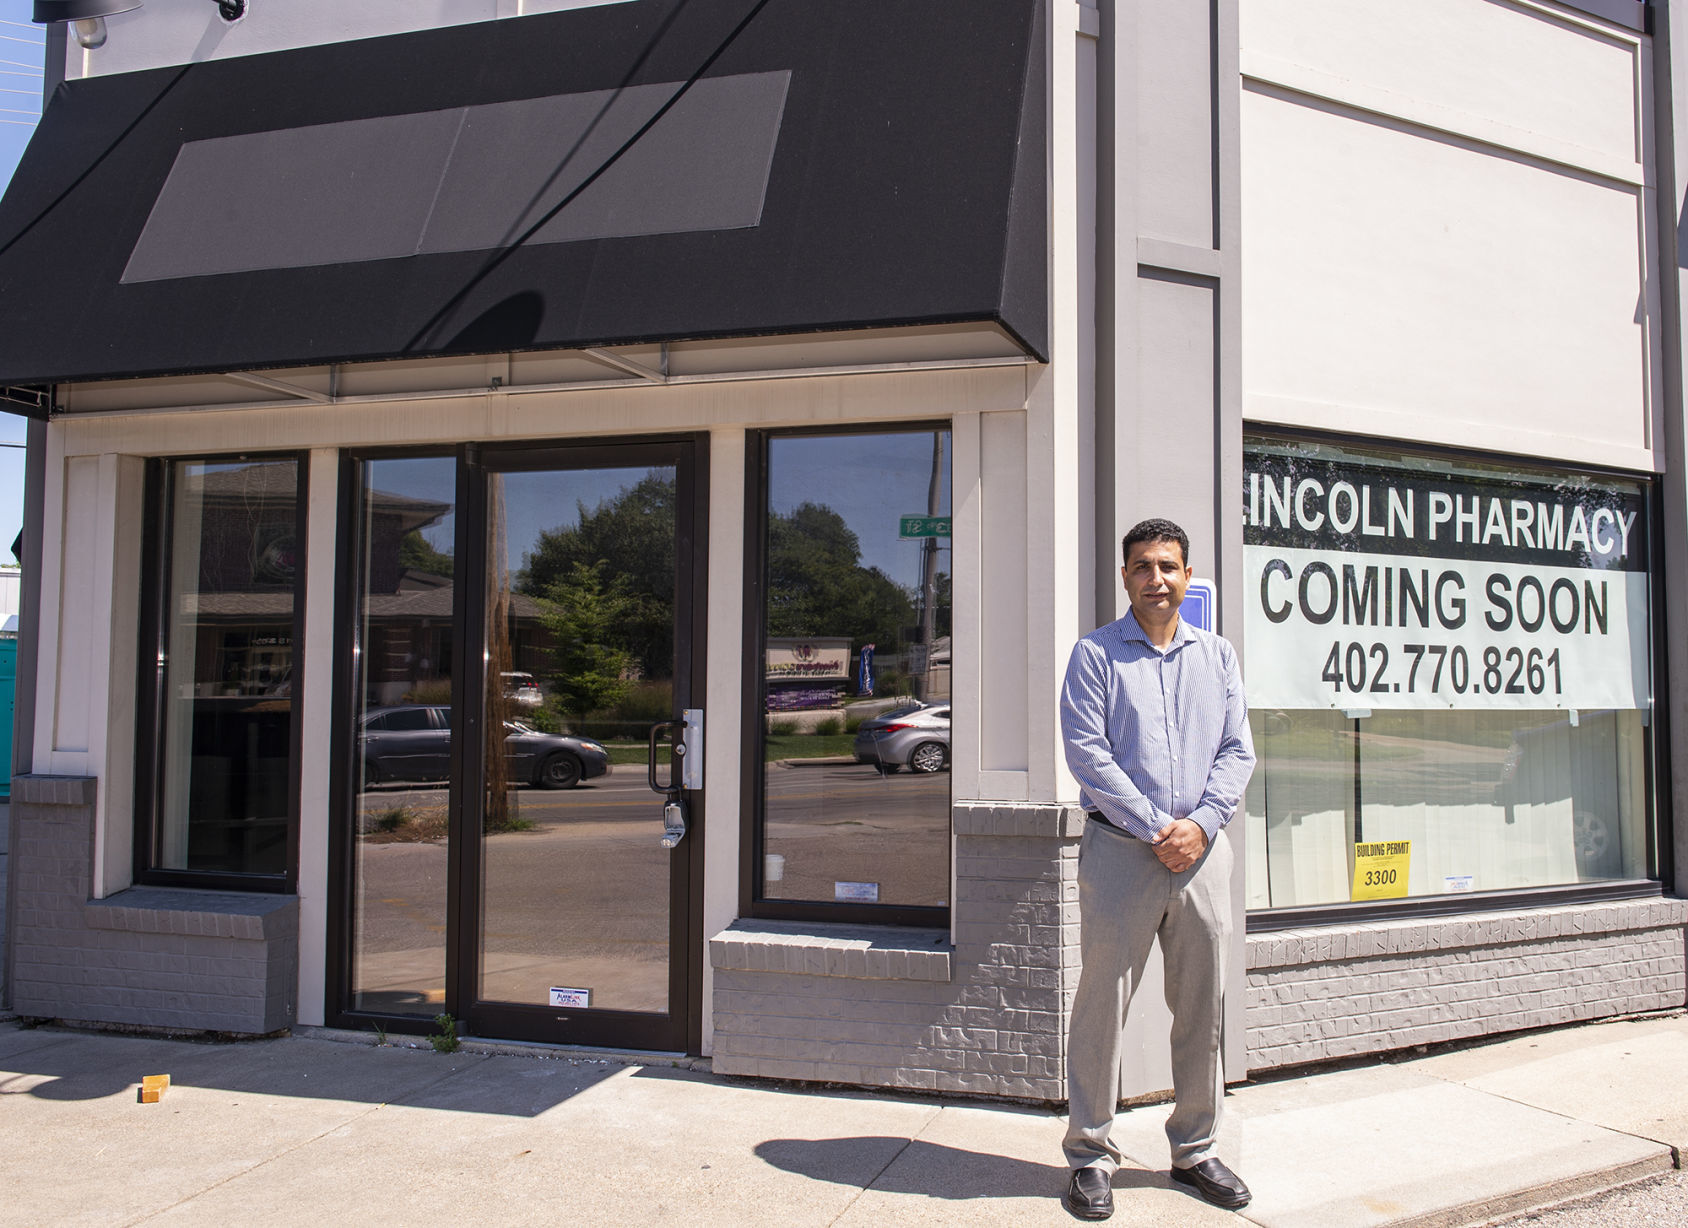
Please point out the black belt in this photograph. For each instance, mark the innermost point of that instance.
(1096, 816)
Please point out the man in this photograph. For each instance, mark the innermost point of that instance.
(1156, 731)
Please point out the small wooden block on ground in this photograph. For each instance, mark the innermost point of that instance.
(153, 1088)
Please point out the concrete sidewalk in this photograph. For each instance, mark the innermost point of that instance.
(313, 1129)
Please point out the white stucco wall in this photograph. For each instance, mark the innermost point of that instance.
(1449, 226)
(164, 32)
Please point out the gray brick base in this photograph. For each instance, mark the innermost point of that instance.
(1339, 991)
(885, 1007)
(898, 1008)
(151, 957)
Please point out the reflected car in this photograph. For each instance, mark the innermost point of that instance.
(412, 742)
(522, 690)
(915, 736)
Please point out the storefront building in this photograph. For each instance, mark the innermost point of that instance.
(574, 518)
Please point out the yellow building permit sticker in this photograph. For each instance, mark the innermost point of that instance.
(1380, 869)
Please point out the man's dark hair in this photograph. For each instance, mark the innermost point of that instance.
(1155, 531)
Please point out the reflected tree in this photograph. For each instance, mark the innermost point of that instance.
(818, 586)
(629, 538)
(588, 617)
(416, 554)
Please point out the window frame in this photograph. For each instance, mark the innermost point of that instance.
(753, 727)
(348, 649)
(157, 569)
(1658, 851)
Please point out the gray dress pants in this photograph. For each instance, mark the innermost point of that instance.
(1127, 899)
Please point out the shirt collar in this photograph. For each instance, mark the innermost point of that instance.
(1130, 629)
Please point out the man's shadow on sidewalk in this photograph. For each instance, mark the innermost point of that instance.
(904, 1166)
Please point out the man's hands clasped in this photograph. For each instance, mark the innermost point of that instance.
(1180, 844)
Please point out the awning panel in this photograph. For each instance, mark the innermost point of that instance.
(658, 170)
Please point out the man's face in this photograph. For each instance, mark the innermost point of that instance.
(1155, 579)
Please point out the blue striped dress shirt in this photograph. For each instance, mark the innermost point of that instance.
(1153, 736)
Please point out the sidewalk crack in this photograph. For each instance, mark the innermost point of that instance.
(884, 1168)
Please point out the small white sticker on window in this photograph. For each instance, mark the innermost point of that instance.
(865, 893)
(571, 997)
(1459, 882)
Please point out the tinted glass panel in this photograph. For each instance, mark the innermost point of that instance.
(581, 596)
(856, 681)
(403, 752)
(226, 726)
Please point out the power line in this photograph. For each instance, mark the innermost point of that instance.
(513, 245)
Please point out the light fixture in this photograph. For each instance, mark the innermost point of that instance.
(85, 17)
(88, 16)
(90, 32)
(50, 12)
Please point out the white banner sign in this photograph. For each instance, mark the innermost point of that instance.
(1371, 587)
(1373, 631)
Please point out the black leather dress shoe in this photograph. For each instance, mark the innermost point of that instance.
(1214, 1182)
(1090, 1194)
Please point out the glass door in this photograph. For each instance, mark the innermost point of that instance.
(575, 918)
(524, 621)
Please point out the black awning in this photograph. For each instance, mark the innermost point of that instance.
(637, 172)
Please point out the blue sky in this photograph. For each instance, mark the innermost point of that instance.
(22, 46)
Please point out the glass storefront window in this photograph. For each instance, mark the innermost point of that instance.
(581, 594)
(855, 721)
(225, 722)
(1448, 668)
(406, 602)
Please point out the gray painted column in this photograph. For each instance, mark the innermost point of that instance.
(1670, 115)
(1169, 393)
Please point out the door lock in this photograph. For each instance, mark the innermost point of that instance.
(673, 823)
(685, 773)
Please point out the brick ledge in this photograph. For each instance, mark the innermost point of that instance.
(865, 952)
(39, 789)
(1409, 936)
(1034, 820)
(212, 914)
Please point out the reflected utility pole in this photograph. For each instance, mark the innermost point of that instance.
(929, 567)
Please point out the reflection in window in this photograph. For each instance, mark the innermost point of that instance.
(403, 731)
(1491, 801)
(226, 725)
(581, 596)
(855, 795)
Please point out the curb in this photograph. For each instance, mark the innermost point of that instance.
(1504, 1207)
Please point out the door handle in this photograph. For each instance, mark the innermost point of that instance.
(673, 786)
(674, 807)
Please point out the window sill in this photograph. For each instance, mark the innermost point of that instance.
(864, 952)
(209, 914)
(1263, 921)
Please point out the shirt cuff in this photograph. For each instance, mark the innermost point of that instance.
(1157, 822)
(1208, 819)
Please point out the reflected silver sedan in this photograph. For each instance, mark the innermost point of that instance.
(915, 735)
